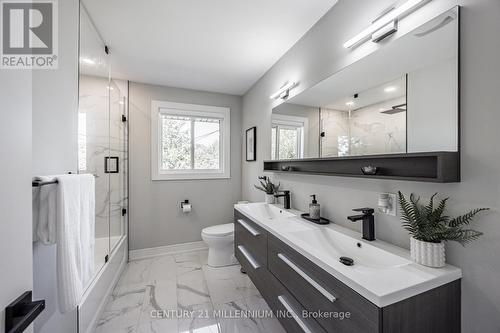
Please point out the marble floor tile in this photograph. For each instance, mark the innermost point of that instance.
(135, 276)
(190, 256)
(267, 322)
(159, 297)
(160, 304)
(163, 268)
(223, 290)
(121, 313)
(222, 272)
(182, 294)
(192, 289)
(245, 286)
(158, 326)
(203, 256)
(227, 284)
(231, 320)
(198, 319)
(187, 262)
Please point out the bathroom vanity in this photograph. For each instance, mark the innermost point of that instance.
(295, 265)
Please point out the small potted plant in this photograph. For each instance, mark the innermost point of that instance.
(268, 188)
(430, 228)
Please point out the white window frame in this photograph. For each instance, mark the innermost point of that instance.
(296, 122)
(183, 109)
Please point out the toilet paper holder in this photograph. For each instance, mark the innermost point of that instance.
(185, 202)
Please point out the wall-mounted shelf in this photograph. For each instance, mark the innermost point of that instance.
(437, 167)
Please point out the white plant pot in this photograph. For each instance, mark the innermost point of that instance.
(427, 254)
(270, 198)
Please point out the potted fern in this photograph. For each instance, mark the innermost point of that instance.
(430, 228)
(268, 188)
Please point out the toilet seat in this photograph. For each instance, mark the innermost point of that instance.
(220, 230)
(220, 241)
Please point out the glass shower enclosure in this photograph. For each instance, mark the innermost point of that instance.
(102, 139)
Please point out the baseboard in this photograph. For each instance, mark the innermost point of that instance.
(169, 249)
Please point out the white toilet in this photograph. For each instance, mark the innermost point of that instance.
(220, 241)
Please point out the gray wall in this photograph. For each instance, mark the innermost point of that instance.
(155, 216)
(15, 195)
(319, 54)
(55, 121)
(55, 102)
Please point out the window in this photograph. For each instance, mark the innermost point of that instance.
(287, 136)
(189, 141)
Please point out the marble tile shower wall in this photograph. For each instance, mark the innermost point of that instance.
(102, 133)
(205, 299)
(374, 132)
(369, 130)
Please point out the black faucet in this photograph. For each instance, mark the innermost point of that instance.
(286, 200)
(368, 222)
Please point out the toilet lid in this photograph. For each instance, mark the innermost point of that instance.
(219, 230)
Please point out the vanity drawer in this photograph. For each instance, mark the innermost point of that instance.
(318, 291)
(251, 236)
(290, 314)
(282, 302)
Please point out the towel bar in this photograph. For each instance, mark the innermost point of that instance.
(38, 184)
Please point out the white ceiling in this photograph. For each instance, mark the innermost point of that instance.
(219, 45)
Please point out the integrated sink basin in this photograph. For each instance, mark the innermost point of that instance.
(336, 244)
(263, 211)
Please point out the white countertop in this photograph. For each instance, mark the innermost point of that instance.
(384, 273)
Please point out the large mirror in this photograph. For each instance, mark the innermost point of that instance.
(403, 98)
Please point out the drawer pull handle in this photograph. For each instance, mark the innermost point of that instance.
(248, 257)
(251, 230)
(297, 319)
(306, 277)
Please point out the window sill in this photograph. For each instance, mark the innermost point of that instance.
(190, 176)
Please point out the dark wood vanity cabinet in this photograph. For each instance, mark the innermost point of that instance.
(289, 282)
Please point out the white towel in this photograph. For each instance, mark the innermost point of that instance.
(75, 237)
(35, 208)
(45, 215)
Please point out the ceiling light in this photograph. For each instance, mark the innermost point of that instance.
(87, 61)
(350, 103)
(284, 91)
(384, 20)
(390, 89)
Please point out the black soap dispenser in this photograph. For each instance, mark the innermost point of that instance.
(314, 208)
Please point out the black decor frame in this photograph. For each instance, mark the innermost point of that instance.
(251, 131)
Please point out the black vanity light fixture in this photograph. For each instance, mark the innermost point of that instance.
(284, 91)
(386, 23)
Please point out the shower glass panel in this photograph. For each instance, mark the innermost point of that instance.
(93, 127)
(102, 139)
(117, 166)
